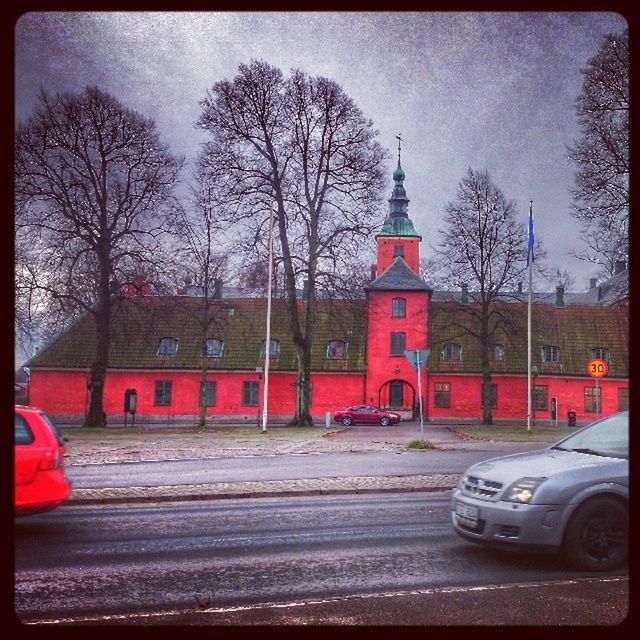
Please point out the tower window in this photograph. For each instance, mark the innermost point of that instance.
(398, 250)
(398, 343)
(398, 308)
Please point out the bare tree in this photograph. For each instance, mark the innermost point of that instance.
(203, 261)
(92, 178)
(483, 247)
(601, 154)
(301, 143)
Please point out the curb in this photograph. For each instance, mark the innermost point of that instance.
(266, 489)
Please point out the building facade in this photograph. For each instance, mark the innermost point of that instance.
(160, 349)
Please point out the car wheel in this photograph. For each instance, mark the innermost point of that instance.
(346, 421)
(596, 538)
(384, 422)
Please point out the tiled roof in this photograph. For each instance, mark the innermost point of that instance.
(574, 329)
(139, 323)
(399, 277)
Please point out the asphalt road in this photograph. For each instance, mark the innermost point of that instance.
(278, 467)
(342, 559)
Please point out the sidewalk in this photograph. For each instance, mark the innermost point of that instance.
(117, 445)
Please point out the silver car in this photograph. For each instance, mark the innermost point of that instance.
(571, 497)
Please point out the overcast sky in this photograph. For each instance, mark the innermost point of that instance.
(490, 91)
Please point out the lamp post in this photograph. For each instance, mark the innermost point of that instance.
(259, 374)
(534, 373)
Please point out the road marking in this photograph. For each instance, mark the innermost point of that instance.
(302, 603)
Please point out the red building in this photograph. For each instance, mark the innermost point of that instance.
(159, 350)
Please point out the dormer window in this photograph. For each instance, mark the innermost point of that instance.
(337, 349)
(601, 352)
(498, 353)
(167, 347)
(213, 348)
(398, 308)
(451, 352)
(550, 353)
(274, 348)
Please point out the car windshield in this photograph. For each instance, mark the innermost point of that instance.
(608, 437)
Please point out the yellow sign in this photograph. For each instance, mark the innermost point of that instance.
(597, 368)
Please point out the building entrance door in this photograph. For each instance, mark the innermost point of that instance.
(396, 395)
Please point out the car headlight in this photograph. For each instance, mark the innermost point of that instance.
(522, 490)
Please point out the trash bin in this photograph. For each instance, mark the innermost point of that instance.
(571, 418)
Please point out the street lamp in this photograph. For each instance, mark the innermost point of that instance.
(534, 373)
(259, 374)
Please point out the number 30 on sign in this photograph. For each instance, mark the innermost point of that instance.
(597, 368)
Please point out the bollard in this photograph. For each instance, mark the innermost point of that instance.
(327, 420)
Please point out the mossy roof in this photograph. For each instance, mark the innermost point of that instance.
(139, 324)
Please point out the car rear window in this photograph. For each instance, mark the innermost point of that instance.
(53, 428)
(23, 433)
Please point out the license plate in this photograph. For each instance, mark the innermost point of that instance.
(467, 514)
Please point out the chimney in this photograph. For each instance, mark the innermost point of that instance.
(619, 267)
(560, 296)
(464, 298)
(217, 288)
(519, 287)
(599, 293)
(593, 283)
(305, 290)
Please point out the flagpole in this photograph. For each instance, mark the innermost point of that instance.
(267, 347)
(530, 264)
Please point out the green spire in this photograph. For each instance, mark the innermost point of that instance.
(398, 222)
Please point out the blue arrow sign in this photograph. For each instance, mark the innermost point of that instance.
(417, 357)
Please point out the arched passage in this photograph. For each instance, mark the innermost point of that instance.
(398, 395)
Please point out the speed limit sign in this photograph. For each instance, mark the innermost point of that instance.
(597, 368)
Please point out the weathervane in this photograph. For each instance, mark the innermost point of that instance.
(399, 136)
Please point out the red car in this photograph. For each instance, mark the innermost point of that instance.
(40, 482)
(363, 414)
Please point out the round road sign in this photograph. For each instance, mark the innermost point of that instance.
(597, 368)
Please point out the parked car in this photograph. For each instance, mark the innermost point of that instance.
(364, 414)
(571, 498)
(40, 481)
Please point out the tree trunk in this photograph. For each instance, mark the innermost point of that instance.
(96, 417)
(487, 416)
(303, 417)
(202, 419)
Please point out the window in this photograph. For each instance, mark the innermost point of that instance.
(162, 393)
(601, 352)
(498, 353)
(398, 308)
(451, 351)
(398, 250)
(592, 400)
(23, 434)
(539, 397)
(398, 343)
(550, 353)
(167, 347)
(442, 394)
(250, 394)
(209, 397)
(623, 399)
(274, 348)
(337, 349)
(493, 396)
(213, 348)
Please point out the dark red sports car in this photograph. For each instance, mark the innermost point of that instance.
(363, 414)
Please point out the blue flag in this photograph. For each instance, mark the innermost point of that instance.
(530, 256)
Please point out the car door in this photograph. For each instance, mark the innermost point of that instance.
(28, 451)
